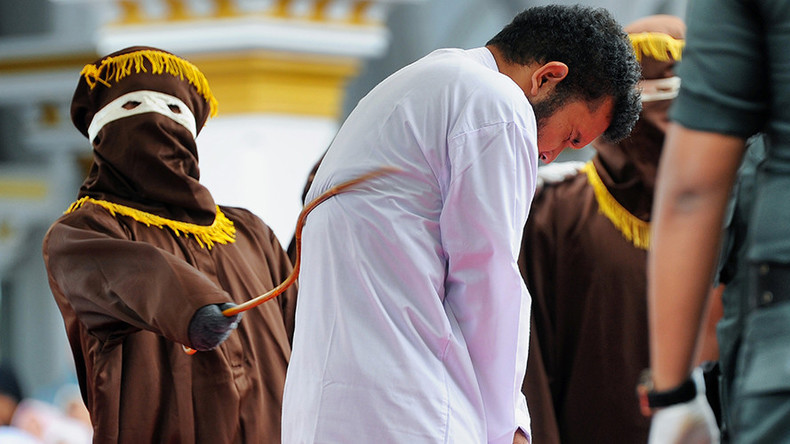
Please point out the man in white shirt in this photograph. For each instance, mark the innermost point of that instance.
(412, 320)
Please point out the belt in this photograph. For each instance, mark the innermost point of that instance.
(769, 284)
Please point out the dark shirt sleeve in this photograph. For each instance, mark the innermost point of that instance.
(725, 83)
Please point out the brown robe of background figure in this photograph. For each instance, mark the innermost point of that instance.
(584, 259)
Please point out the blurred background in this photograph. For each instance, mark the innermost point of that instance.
(285, 72)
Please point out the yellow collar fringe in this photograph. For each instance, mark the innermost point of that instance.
(657, 45)
(118, 67)
(221, 231)
(634, 229)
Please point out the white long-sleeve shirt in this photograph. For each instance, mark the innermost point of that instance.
(412, 323)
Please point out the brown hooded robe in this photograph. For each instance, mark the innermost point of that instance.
(588, 342)
(587, 274)
(127, 291)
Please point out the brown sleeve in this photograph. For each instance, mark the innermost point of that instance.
(537, 390)
(537, 263)
(277, 261)
(117, 286)
(288, 298)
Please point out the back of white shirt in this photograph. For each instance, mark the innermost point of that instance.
(412, 318)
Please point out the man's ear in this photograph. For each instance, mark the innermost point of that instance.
(548, 75)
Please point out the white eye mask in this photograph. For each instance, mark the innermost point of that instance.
(659, 89)
(149, 102)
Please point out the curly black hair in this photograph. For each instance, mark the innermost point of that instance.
(600, 59)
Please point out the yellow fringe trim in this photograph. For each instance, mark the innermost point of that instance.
(116, 68)
(221, 231)
(635, 230)
(657, 45)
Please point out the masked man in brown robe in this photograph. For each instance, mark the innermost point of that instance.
(584, 259)
(144, 262)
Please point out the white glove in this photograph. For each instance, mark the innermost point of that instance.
(691, 422)
(556, 172)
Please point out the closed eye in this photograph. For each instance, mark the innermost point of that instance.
(132, 104)
(573, 141)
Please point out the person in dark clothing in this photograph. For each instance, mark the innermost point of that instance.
(733, 89)
(144, 262)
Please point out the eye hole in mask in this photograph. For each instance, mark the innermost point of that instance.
(140, 102)
(659, 89)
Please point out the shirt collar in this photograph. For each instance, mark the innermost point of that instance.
(484, 56)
